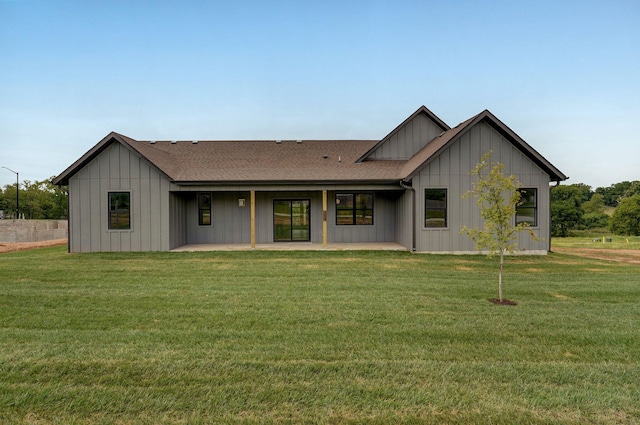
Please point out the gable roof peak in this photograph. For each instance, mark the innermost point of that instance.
(434, 147)
(422, 110)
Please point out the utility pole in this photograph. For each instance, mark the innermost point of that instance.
(17, 191)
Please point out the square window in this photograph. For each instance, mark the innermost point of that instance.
(354, 209)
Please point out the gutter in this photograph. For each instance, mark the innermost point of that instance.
(281, 182)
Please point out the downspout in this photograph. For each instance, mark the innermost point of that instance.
(324, 218)
(68, 221)
(549, 211)
(407, 186)
(252, 205)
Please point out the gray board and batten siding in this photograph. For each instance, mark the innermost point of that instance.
(118, 169)
(384, 224)
(406, 218)
(450, 170)
(230, 223)
(408, 138)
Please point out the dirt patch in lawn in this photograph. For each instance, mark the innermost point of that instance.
(21, 246)
(630, 256)
(503, 302)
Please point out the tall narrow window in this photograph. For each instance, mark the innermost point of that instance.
(435, 201)
(204, 209)
(119, 210)
(354, 208)
(527, 208)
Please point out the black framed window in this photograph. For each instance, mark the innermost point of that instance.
(354, 209)
(435, 205)
(204, 209)
(119, 210)
(527, 208)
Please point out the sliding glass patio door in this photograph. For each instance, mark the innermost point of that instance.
(291, 220)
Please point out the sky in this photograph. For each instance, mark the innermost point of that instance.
(564, 75)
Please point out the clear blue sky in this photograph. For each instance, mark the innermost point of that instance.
(564, 75)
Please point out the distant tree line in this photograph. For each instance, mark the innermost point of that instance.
(577, 207)
(38, 200)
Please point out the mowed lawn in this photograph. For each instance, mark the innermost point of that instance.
(316, 337)
(615, 242)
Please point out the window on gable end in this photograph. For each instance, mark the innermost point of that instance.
(527, 208)
(119, 210)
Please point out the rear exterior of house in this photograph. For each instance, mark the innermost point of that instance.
(128, 195)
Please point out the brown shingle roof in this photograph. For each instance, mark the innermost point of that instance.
(267, 161)
(316, 161)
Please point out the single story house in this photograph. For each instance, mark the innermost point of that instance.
(130, 195)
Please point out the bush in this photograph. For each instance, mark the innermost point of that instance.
(595, 220)
(565, 215)
(626, 218)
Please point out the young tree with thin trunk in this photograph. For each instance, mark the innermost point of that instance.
(497, 196)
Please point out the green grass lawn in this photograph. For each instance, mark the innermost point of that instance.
(316, 337)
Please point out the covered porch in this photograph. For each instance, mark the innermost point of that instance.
(210, 218)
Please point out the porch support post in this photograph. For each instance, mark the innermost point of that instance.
(324, 218)
(253, 218)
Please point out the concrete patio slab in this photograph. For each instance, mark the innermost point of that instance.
(294, 246)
